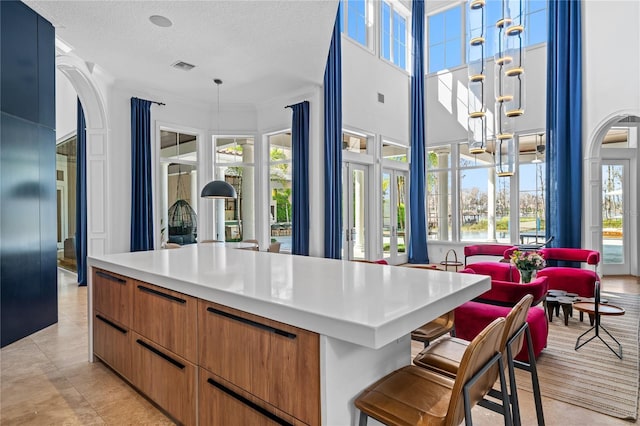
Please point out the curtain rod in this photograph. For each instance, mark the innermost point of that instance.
(158, 103)
(289, 106)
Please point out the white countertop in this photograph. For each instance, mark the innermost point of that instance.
(365, 304)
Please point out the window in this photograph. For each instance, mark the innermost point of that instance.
(531, 179)
(393, 34)
(475, 172)
(536, 22)
(179, 184)
(439, 192)
(234, 160)
(354, 143)
(487, 208)
(280, 185)
(394, 152)
(445, 39)
(354, 20)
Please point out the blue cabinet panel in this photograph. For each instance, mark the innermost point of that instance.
(46, 74)
(28, 270)
(19, 53)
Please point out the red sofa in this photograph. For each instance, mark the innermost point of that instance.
(571, 279)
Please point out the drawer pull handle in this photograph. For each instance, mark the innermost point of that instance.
(112, 324)
(253, 323)
(110, 277)
(160, 354)
(161, 294)
(249, 403)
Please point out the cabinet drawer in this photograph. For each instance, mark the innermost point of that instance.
(222, 404)
(166, 378)
(276, 362)
(112, 344)
(167, 317)
(113, 295)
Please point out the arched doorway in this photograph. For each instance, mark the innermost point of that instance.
(612, 194)
(97, 131)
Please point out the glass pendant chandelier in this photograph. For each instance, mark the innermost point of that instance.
(476, 105)
(509, 84)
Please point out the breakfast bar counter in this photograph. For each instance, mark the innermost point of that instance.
(352, 319)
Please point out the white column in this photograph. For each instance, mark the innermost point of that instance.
(248, 213)
(219, 233)
(491, 204)
(195, 193)
(164, 204)
(443, 199)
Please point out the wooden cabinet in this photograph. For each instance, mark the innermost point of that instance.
(273, 361)
(166, 317)
(179, 351)
(112, 344)
(221, 403)
(113, 296)
(168, 379)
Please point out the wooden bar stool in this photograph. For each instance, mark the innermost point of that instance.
(445, 356)
(417, 396)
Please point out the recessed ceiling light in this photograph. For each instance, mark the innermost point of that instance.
(184, 66)
(160, 21)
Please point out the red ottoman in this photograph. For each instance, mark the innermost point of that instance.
(472, 317)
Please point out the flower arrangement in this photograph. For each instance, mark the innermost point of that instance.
(527, 260)
(527, 263)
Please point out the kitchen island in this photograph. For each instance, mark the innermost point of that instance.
(293, 337)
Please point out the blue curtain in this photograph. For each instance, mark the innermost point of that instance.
(300, 142)
(418, 237)
(564, 125)
(333, 146)
(81, 197)
(141, 197)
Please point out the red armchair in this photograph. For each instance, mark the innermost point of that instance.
(505, 292)
(472, 317)
(570, 279)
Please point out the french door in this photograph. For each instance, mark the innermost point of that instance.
(355, 199)
(394, 216)
(615, 217)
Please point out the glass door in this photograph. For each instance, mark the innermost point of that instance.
(354, 211)
(615, 217)
(394, 216)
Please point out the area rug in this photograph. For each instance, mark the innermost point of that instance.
(592, 377)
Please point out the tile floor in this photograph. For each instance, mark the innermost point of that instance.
(46, 379)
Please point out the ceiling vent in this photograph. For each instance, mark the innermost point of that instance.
(184, 66)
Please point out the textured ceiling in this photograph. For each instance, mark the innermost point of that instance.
(259, 48)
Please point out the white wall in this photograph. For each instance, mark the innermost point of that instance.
(66, 106)
(611, 61)
(364, 75)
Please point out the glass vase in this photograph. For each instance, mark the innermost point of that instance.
(526, 275)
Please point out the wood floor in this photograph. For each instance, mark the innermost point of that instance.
(46, 379)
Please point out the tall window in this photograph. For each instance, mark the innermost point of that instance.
(179, 187)
(486, 208)
(439, 193)
(354, 20)
(393, 35)
(536, 22)
(234, 159)
(280, 185)
(531, 180)
(477, 180)
(445, 39)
